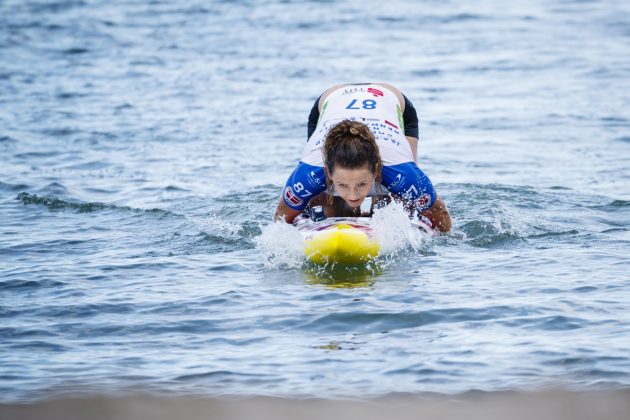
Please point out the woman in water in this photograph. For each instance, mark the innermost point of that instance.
(362, 140)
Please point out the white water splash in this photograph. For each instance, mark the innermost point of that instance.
(215, 223)
(394, 231)
(280, 245)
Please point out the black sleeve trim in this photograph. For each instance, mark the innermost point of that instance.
(410, 119)
(312, 119)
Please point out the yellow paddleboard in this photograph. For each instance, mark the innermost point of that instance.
(343, 240)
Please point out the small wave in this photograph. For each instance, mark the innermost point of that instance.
(427, 73)
(174, 188)
(496, 215)
(613, 206)
(553, 234)
(54, 188)
(12, 187)
(37, 155)
(225, 376)
(7, 139)
(620, 203)
(219, 242)
(54, 7)
(375, 321)
(615, 121)
(69, 95)
(83, 311)
(547, 323)
(54, 203)
(487, 234)
(26, 285)
(38, 346)
(75, 50)
(216, 234)
(60, 132)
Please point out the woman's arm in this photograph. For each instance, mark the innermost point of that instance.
(285, 213)
(439, 216)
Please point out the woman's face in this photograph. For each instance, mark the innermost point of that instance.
(352, 185)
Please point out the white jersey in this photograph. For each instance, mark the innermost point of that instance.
(373, 105)
(379, 109)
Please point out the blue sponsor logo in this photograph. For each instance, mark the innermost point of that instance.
(314, 180)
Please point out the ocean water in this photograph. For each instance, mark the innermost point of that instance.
(144, 144)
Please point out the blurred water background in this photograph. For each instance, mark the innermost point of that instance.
(144, 144)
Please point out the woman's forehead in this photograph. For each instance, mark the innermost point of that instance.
(352, 175)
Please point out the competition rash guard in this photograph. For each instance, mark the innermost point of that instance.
(379, 109)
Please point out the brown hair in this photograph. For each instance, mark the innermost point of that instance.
(351, 144)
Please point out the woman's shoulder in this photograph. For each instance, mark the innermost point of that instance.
(330, 90)
(394, 90)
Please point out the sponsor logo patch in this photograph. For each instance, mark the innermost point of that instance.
(375, 92)
(291, 198)
(400, 179)
(314, 180)
(348, 91)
